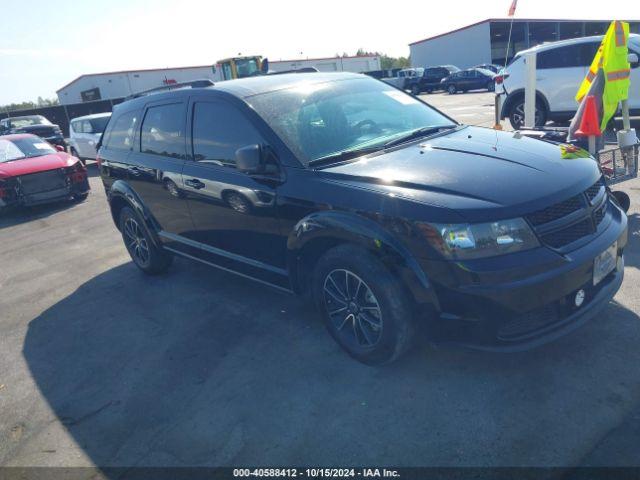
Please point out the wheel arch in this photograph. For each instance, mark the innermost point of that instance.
(320, 231)
(518, 94)
(122, 195)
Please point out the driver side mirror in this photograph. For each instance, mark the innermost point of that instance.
(249, 159)
(632, 58)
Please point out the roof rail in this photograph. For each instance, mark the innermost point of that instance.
(201, 83)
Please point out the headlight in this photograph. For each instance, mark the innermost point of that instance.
(478, 240)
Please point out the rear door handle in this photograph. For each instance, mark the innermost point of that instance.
(194, 183)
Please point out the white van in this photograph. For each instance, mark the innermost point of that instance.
(561, 67)
(84, 134)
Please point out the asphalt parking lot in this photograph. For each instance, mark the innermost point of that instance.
(101, 365)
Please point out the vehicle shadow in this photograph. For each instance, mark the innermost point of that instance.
(632, 251)
(201, 368)
(19, 215)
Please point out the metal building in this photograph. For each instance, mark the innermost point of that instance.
(111, 85)
(486, 41)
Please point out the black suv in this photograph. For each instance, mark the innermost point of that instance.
(431, 79)
(389, 213)
(36, 125)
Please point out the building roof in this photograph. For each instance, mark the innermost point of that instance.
(121, 72)
(508, 19)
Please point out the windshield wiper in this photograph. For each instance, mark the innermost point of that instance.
(343, 156)
(417, 133)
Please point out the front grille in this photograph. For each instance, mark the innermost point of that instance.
(42, 181)
(560, 238)
(593, 191)
(557, 211)
(600, 213)
(529, 322)
(560, 234)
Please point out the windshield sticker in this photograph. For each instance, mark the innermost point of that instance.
(42, 146)
(400, 97)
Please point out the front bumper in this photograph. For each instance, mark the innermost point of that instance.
(520, 301)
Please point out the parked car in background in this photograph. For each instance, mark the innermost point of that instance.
(404, 76)
(560, 67)
(34, 172)
(390, 214)
(470, 79)
(489, 66)
(36, 125)
(84, 134)
(431, 78)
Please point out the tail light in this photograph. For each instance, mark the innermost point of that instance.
(501, 78)
(77, 172)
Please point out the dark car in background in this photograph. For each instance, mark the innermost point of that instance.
(430, 80)
(33, 172)
(470, 79)
(35, 125)
(390, 214)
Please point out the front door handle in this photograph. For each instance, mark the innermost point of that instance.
(134, 171)
(194, 183)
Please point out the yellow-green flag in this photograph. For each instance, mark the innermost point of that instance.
(611, 57)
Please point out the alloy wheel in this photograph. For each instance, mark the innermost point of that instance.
(353, 309)
(136, 242)
(518, 115)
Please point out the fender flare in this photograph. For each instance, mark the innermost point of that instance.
(345, 227)
(121, 192)
(513, 96)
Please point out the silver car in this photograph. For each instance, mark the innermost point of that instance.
(84, 134)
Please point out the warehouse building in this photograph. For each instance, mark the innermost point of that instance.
(115, 85)
(486, 41)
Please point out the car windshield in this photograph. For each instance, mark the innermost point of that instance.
(25, 147)
(99, 124)
(28, 121)
(318, 120)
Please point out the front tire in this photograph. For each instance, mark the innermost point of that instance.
(143, 251)
(80, 197)
(364, 306)
(452, 89)
(415, 90)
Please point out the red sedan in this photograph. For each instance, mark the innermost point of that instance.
(32, 172)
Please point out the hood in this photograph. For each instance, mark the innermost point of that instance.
(26, 166)
(481, 173)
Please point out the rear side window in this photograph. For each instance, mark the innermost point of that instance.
(219, 129)
(120, 133)
(77, 127)
(163, 131)
(562, 57)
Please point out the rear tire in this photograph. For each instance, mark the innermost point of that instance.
(364, 306)
(145, 254)
(516, 114)
(491, 87)
(415, 90)
(80, 197)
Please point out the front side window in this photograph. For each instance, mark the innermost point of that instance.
(247, 67)
(77, 127)
(321, 119)
(219, 129)
(98, 124)
(120, 136)
(163, 131)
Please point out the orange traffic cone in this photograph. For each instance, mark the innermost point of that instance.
(589, 123)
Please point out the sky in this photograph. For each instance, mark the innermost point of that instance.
(45, 44)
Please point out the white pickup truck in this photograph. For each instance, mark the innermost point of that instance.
(400, 80)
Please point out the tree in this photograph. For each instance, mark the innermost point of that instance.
(387, 62)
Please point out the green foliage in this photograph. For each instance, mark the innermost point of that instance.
(41, 102)
(387, 62)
